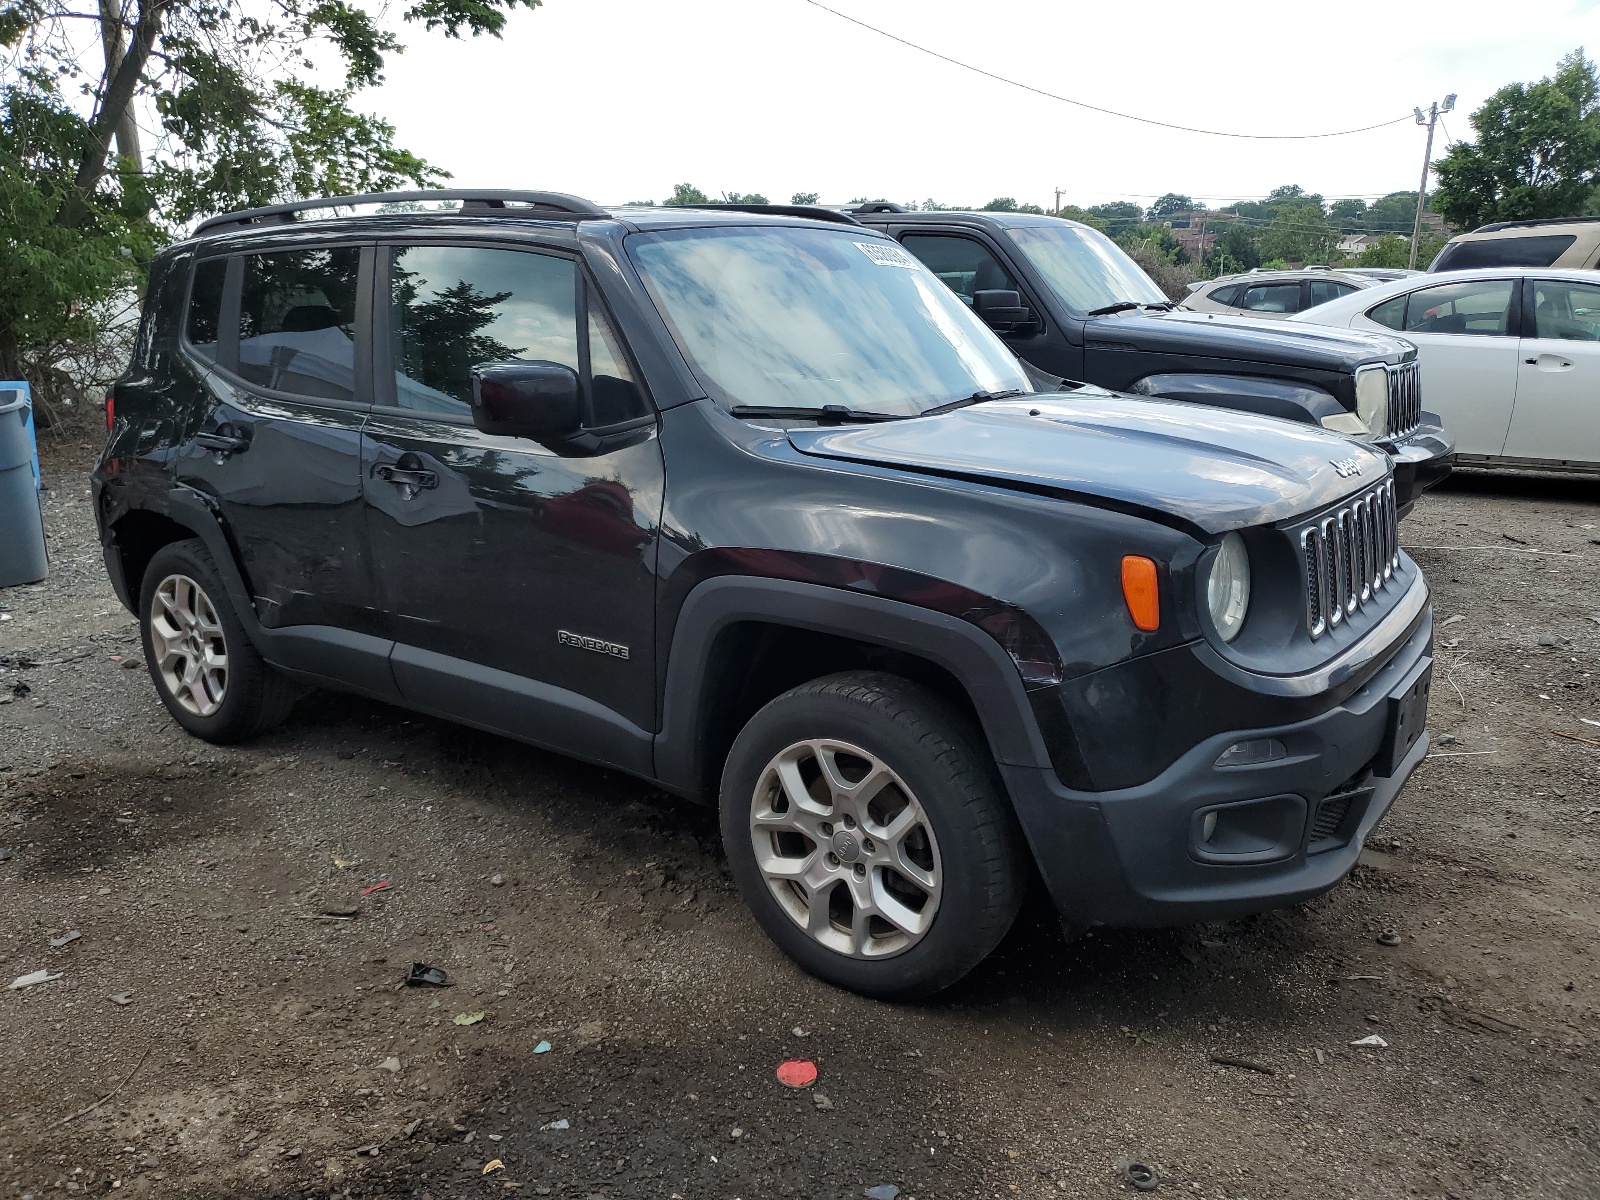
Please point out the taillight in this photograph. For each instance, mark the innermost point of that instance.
(111, 407)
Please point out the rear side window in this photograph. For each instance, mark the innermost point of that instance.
(1228, 295)
(1537, 251)
(1567, 311)
(205, 305)
(1479, 307)
(297, 316)
(1271, 298)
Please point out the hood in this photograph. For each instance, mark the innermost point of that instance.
(1208, 335)
(1210, 469)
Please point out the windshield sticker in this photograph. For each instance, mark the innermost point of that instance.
(887, 254)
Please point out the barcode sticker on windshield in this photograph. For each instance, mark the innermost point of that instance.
(887, 254)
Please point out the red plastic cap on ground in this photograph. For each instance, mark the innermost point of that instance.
(797, 1073)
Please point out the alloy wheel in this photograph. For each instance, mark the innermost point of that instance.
(846, 849)
(191, 653)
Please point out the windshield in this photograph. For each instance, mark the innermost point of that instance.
(1084, 268)
(802, 318)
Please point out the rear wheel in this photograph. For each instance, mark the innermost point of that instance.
(869, 834)
(204, 666)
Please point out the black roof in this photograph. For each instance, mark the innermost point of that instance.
(515, 205)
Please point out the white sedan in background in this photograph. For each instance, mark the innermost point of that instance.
(1510, 358)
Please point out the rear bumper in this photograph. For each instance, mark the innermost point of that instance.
(1421, 462)
(1133, 857)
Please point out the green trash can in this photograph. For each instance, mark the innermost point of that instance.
(22, 554)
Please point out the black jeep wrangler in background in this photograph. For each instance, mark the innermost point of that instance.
(1069, 301)
(751, 506)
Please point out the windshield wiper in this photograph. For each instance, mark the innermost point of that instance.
(1126, 305)
(975, 398)
(828, 414)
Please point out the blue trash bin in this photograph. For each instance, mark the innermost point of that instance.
(26, 388)
(22, 553)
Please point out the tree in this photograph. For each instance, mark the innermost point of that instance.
(1173, 204)
(1537, 152)
(1348, 215)
(686, 193)
(1394, 250)
(1118, 215)
(243, 117)
(1000, 204)
(1299, 233)
(803, 198)
(1083, 216)
(743, 198)
(1236, 249)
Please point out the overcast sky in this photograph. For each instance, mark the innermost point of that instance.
(618, 100)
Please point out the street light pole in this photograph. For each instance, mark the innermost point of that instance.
(1430, 120)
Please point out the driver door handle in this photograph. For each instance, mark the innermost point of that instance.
(223, 441)
(401, 477)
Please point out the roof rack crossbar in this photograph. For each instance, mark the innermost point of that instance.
(780, 210)
(1534, 222)
(479, 200)
(880, 206)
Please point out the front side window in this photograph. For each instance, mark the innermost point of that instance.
(1323, 290)
(1540, 250)
(297, 317)
(454, 308)
(1566, 311)
(801, 318)
(963, 265)
(1084, 268)
(205, 305)
(1479, 307)
(1271, 298)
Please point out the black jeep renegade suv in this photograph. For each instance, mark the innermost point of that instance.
(749, 504)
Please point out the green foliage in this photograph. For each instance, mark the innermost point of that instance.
(1083, 216)
(803, 198)
(1000, 204)
(686, 193)
(55, 278)
(1299, 233)
(743, 198)
(1118, 215)
(1537, 152)
(1155, 241)
(1173, 204)
(1237, 248)
(240, 122)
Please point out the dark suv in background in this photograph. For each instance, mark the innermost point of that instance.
(1069, 301)
(750, 505)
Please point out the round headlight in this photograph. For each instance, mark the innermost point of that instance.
(1372, 400)
(1228, 587)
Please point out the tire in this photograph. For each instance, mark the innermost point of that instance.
(816, 793)
(186, 621)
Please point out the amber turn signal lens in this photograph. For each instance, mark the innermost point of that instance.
(1139, 590)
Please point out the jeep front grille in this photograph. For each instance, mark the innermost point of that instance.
(1405, 399)
(1350, 557)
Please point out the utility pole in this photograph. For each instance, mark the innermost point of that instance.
(1058, 202)
(1430, 119)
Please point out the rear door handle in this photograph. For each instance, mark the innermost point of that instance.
(222, 441)
(1549, 362)
(402, 477)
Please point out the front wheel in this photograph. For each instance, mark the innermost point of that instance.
(867, 831)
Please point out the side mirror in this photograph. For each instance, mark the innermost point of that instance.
(538, 400)
(1003, 311)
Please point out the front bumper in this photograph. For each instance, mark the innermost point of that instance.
(1421, 461)
(1130, 857)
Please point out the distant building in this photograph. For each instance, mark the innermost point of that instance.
(1195, 238)
(1352, 244)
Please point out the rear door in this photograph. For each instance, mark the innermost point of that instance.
(1466, 338)
(1557, 413)
(279, 339)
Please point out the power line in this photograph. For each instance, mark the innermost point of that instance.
(955, 62)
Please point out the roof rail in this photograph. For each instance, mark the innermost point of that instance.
(1498, 225)
(780, 210)
(546, 204)
(880, 206)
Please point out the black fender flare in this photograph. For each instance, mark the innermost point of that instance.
(977, 662)
(1269, 396)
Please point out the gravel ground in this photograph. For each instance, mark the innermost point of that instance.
(214, 1033)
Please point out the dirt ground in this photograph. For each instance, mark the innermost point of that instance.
(251, 1047)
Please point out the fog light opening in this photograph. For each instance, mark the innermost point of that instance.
(1208, 826)
(1252, 752)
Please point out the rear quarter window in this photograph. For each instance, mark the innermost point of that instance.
(204, 319)
(1541, 250)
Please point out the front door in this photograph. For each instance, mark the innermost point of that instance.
(277, 338)
(519, 583)
(1557, 414)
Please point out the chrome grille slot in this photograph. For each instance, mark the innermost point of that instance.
(1405, 399)
(1349, 558)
